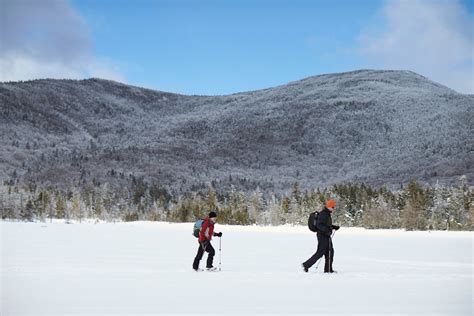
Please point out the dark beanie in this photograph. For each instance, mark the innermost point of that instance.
(212, 214)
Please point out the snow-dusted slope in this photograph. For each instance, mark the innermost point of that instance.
(145, 269)
(381, 127)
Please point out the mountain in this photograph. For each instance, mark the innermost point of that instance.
(377, 127)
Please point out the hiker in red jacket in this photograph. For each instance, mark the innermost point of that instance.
(205, 236)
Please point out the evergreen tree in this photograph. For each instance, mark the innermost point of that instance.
(27, 213)
(295, 214)
(274, 211)
(256, 207)
(41, 204)
(457, 206)
(296, 193)
(414, 211)
(285, 206)
(239, 208)
(60, 206)
(439, 212)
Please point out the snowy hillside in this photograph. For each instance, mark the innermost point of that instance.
(144, 268)
(380, 127)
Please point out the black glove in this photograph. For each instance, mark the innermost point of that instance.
(335, 227)
(218, 234)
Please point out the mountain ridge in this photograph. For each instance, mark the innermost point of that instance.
(376, 126)
(320, 76)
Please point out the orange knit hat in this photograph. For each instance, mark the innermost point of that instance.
(331, 203)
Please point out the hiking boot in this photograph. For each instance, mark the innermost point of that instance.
(211, 269)
(198, 270)
(304, 267)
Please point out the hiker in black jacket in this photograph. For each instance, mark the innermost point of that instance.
(324, 231)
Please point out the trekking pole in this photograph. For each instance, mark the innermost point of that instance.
(331, 247)
(220, 252)
(319, 260)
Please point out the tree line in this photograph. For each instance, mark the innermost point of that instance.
(414, 207)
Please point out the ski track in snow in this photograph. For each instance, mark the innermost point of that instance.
(144, 268)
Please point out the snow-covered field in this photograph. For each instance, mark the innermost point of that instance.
(145, 268)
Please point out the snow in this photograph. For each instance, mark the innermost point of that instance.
(144, 268)
(367, 126)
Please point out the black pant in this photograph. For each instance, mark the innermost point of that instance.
(204, 246)
(324, 248)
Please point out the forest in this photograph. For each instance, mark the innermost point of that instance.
(412, 207)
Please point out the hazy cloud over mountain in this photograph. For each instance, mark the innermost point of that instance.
(434, 38)
(48, 39)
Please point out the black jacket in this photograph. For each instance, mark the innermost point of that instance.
(324, 222)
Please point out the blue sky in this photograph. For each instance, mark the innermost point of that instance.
(221, 47)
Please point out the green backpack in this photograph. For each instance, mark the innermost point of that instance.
(197, 227)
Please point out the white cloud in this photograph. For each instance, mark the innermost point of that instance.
(433, 38)
(48, 39)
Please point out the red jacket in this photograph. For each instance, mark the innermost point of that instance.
(207, 230)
